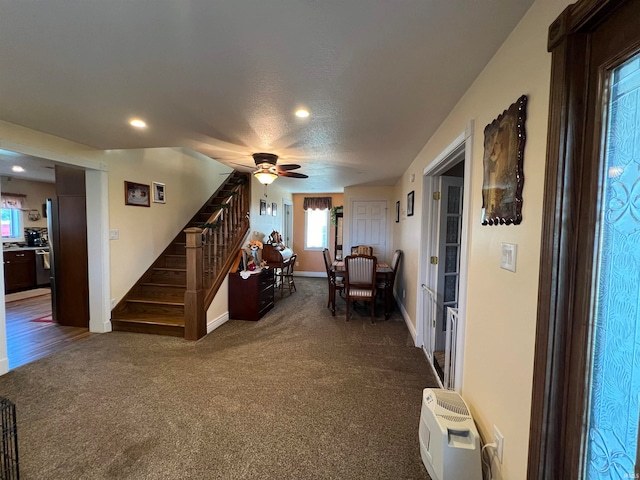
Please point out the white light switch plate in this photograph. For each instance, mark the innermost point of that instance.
(509, 256)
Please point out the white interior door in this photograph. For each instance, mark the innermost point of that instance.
(369, 226)
(449, 249)
(287, 227)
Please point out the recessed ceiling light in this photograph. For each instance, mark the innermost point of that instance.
(136, 122)
(17, 168)
(302, 113)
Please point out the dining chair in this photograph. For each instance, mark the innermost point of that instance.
(335, 283)
(286, 276)
(362, 250)
(395, 263)
(360, 281)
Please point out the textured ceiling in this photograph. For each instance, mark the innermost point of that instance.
(225, 77)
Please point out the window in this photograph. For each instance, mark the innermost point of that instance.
(11, 223)
(316, 229)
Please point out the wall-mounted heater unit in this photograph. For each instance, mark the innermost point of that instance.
(449, 440)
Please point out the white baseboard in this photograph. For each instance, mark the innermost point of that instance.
(105, 327)
(221, 320)
(4, 365)
(407, 320)
(310, 274)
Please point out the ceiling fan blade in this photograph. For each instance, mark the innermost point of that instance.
(243, 167)
(287, 167)
(293, 174)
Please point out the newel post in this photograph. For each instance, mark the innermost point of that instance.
(195, 322)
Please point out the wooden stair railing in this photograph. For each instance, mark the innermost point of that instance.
(211, 251)
(172, 296)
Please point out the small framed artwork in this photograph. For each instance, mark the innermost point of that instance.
(398, 211)
(274, 209)
(158, 193)
(136, 194)
(263, 207)
(410, 203)
(503, 159)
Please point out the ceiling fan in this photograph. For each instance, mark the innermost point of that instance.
(267, 169)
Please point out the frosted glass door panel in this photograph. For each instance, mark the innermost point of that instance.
(615, 369)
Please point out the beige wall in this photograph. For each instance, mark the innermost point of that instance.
(263, 225)
(501, 306)
(189, 178)
(311, 261)
(37, 194)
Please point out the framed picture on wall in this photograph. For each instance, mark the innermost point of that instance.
(503, 159)
(410, 203)
(398, 211)
(136, 194)
(263, 207)
(274, 209)
(158, 193)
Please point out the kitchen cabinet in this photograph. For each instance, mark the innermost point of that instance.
(19, 270)
(251, 298)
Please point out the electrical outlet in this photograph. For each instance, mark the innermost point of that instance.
(297, 264)
(499, 439)
(114, 234)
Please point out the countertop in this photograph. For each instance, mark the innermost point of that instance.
(16, 248)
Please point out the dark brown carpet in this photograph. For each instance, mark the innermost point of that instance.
(298, 395)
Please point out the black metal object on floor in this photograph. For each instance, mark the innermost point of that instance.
(9, 446)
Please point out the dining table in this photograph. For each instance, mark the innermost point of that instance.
(384, 274)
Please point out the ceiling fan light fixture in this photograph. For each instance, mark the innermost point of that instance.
(265, 177)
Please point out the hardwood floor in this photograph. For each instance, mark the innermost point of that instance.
(29, 340)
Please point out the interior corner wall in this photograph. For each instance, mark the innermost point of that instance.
(501, 305)
(263, 225)
(144, 232)
(311, 261)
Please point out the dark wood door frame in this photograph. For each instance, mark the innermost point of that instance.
(561, 344)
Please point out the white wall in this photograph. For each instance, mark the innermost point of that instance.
(501, 306)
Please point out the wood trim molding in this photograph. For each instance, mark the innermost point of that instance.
(553, 451)
(580, 16)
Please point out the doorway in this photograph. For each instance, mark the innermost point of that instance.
(35, 337)
(38, 317)
(443, 260)
(287, 227)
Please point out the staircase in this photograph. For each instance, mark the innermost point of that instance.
(156, 303)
